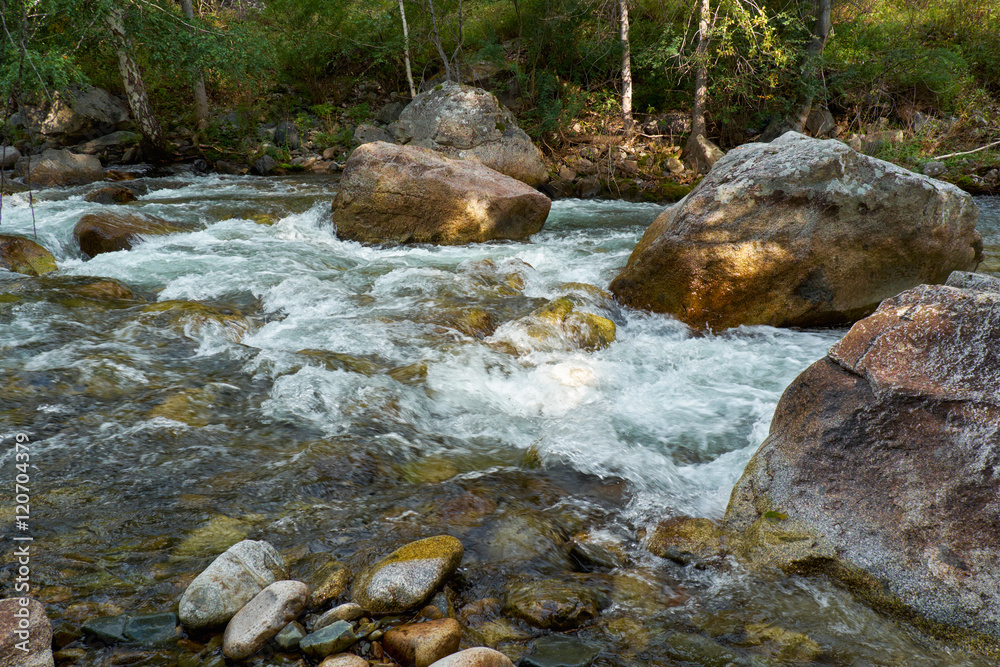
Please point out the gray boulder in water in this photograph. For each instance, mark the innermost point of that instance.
(469, 123)
(232, 580)
(799, 232)
(882, 466)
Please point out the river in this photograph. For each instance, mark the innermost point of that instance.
(326, 396)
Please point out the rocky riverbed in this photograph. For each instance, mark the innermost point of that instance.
(255, 378)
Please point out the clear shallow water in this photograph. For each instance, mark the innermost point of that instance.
(329, 398)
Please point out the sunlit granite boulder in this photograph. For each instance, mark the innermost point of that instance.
(469, 123)
(405, 194)
(799, 232)
(882, 467)
(59, 167)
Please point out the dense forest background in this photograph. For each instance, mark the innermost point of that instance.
(331, 64)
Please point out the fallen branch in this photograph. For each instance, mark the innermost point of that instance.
(981, 148)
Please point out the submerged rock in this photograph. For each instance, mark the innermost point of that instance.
(469, 123)
(685, 539)
(799, 232)
(112, 194)
(56, 167)
(35, 634)
(560, 324)
(409, 576)
(421, 644)
(22, 255)
(108, 231)
(263, 617)
(406, 194)
(553, 604)
(232, 580)
(559, 651)
(880, 469)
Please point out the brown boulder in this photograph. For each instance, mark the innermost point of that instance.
(799, 232)
(420, 644)
(54, 167)
(112, 194)
(110, 232)
(882, 466)
(22, 255)
(406, 194)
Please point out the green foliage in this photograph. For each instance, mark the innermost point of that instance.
(359, 113)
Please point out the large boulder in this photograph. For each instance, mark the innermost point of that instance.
(109, 231)
(469, 123)
(79, 112)
(407, 194)
(882, 466)
(799, 232)
(9, 155)
(59, 167)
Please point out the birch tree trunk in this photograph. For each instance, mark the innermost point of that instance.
(200, 97)
(626, 70)
(406, 53)
(153, 142)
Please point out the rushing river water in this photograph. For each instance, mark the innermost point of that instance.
(271, 381)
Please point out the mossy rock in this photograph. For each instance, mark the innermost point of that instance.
(326, 577)
(338, 361)
(553, 604)
(412, 374)
(22, 255)
(193, 318)
(193, 407)
(213, 537)
(431, 470)
(686, 539)
(781, 644)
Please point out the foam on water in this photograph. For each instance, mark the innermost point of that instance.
(676, 415)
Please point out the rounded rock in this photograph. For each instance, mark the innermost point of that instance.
(421, 644)
(22, 255)
(232, 580)
(263, 617)
(408, 577)
(344, 660)
(39, 630)
(475, 657)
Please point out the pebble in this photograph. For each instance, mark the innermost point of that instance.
(232, 580)
(421, 644)
(263, 617)
(409, 576)
(348, 611)
(331, 639)
(475, 657)
(290, 636)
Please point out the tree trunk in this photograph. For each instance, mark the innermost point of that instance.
(437, 42)
(153, 143)
(200, 97)
(406, 53)
(626, 70)
(700, 153)
(821, 31)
